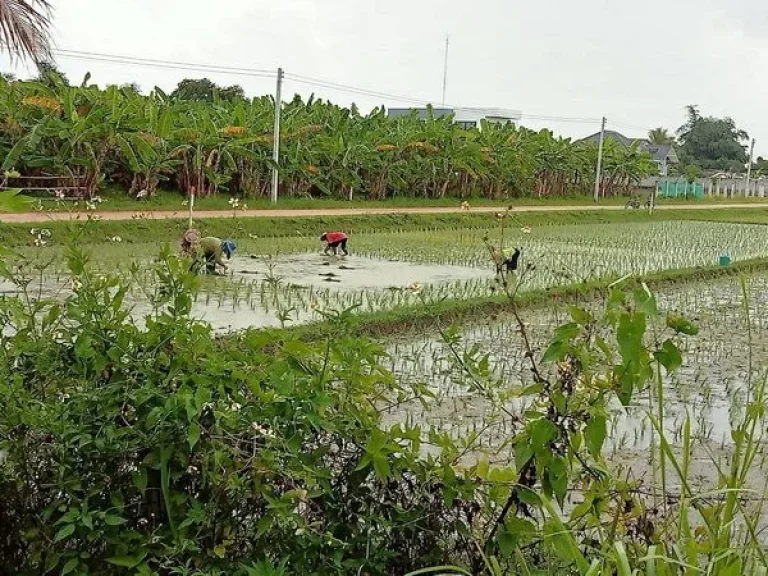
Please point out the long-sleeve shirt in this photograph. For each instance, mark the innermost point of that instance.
(333, 237)
(211, 247)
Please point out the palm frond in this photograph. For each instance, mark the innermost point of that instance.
(24, 29)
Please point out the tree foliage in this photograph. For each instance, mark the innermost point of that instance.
(660, 136)
(712, 143)
(204, 90)
(207, 140)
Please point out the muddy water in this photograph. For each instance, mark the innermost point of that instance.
(290, 289)
(351, 272)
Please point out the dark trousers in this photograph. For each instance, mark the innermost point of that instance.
(335, 247)
(207, 260)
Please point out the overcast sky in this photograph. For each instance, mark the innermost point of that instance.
(638, 64)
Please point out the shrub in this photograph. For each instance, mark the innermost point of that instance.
(153, 448)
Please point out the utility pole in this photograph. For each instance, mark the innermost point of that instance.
(749, 166)
(599, 171)
(445, 70)
(276, 141)
(191, 204)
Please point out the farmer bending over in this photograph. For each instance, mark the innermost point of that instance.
(211, 252)
(333, 241)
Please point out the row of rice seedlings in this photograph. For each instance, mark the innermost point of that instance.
(710, 387)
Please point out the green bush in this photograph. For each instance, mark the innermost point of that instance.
(155, 447)
(160, 449)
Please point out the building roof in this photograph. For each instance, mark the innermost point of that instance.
(422, 113)
(459, 112)
(610, 134)
(659, 152)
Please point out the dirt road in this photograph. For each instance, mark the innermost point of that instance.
(201, 214)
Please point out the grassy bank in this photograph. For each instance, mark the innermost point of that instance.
(147, 230)
(118, 200)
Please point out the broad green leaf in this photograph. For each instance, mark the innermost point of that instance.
(542, 433)
(595, 433)
(645, 302)
(193, 435)
(381, 466)
(557, 473)
(64, 532)
(12, 201)
(669, 356)
(567, 331)
(124, 561)
(555, 351)
(507, 543)
(579, 315)
(482, 468)
(140, 479)
(69, 566)
(629, 336)
(114, 520)
(127, 150)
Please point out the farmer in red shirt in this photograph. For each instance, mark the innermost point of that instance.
(334, 240)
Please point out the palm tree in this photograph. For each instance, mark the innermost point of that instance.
(24, 29)
(660, 136)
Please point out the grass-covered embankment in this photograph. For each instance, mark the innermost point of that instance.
(148, 230)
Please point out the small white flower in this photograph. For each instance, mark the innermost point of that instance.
(90, 206)
(116, 239)
(60, 195)
(185, 202)
(525, 230)
(259, 429)
(235, 407)
(45, 233)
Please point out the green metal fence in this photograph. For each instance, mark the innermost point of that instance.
(679, 189)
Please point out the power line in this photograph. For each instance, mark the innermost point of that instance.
(297, 78)
(575, 120)
(165, 64)
(351, 89)
(627, 125)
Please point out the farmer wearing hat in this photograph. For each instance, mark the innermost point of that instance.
(334, 241)
(189, 242)
(211, 252)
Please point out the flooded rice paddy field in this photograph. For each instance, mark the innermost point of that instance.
(711, 386)
(280, 281)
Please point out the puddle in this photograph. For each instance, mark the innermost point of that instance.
(353, 272)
